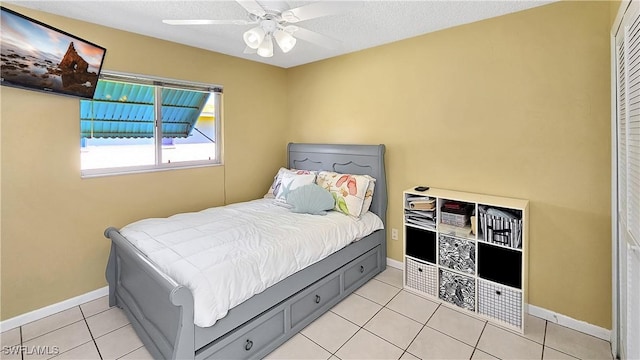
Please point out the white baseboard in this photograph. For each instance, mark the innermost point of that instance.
(571, 323)
(52, 309)
(395, 264)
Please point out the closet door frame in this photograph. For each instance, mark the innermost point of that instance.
(615, 248)
(619, 241)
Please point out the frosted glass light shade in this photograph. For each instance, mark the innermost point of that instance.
(266, 47)
(254, 37)
(285, 40)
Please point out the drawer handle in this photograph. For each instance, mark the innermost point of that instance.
(318, 299)
(248, 345)
(361, 269)
(420, 269)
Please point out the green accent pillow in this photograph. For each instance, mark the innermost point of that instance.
(310, 199)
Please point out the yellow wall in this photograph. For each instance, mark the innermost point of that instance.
(515, 106)
(52, 220)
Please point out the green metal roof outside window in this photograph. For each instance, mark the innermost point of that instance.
(124, 110)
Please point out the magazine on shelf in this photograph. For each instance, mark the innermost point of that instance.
(421, 214)
(422, 222)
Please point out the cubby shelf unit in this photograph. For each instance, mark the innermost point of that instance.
(469, 251)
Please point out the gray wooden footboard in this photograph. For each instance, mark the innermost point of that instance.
(161, 310)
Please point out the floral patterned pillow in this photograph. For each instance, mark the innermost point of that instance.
(349, 190)
(368, 196)
(274, 189)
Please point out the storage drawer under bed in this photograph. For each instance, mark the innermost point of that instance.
(315, 300)
(359, 269)
(254, 339)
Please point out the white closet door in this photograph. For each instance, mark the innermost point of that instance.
(627, 64)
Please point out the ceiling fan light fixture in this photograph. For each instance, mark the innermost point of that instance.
(254, 37)
(289, 16)
(285, 41)
(266, 47)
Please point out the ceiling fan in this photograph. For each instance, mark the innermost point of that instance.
(275, 21)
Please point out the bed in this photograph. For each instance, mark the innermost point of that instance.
(162, 311)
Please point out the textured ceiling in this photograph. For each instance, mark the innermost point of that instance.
(368, 24)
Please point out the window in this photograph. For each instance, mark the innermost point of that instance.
(139, 123)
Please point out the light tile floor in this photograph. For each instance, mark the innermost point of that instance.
(379, 321)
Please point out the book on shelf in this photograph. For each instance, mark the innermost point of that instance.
(422, 204)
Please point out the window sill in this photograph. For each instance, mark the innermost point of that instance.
(95, 173)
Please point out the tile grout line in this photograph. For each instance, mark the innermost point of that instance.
(310, 339)
(21, 353)
(544, 341)
(478, 341)
(91, 334)
(383, 306)
(497, 325)
(136, 349)
(375, 278)
(362, 327)
(75, 347)
(481, 332)
(345, 343)
(544, 338)
(563, 352)
(423, 326)
(385, 340)
(48, 332)
(399, 313)
(414, 339)
(447, 335)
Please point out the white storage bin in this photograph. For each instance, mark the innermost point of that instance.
(421, 276)
(499, 302)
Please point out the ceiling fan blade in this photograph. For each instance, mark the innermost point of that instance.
(314, 37)
(207, 22)
(252, 7)
(248, 50)
(318, 9)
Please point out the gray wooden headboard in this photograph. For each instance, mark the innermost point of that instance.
(346, 159)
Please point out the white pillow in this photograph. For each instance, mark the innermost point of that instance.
(275, 186)
(292, 181)
(272, 193)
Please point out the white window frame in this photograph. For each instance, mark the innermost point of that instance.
(158, 83)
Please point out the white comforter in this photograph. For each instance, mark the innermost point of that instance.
(227, 254)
